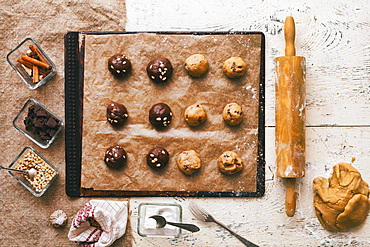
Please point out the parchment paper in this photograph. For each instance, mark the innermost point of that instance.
(138, 93)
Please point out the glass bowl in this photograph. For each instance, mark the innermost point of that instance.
(38, 123)
(147, 226)
(46, 172)
(24, 68)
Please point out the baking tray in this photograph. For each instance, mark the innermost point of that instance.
(74, 92)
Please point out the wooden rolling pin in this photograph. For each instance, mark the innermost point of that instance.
(290, 116)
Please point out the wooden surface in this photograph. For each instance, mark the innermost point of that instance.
(335, 40)
(334, 37)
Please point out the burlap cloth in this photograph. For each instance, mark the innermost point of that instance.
(24, 219)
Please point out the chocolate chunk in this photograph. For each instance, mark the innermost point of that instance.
(51, 122)
(41, 113)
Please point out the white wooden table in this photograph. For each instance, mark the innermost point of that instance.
(334, 36)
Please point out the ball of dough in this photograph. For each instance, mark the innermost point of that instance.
(160, 115)
(195, 115)
(234, 67)
(196, 65)
(159, 70)
(58, 218)
(119, 65)
(229, 163)
(157, 158)
(115, 157)
(342, 201)
(116, 114)
(189, 162)
(232, 114)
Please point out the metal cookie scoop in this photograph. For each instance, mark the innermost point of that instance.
(161, 222)
(31, 173)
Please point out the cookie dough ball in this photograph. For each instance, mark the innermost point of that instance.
(119, 65)
(195, 115)
(189, 162)
(342, 201)
(116, 114)
(232, 114)
(160, 115)
(229, 163)
(159, 69)
(115, 157)
(196, 65)
(234, 67)
(157, 158)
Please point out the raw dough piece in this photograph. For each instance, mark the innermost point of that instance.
(234, 67)
(196, 65)
(195, 115)
(342, 201)
(116, 114)
(58, 218)
(119, 65)
(159, 69)
(157, 158)
(230, 163)
(115, 157)
(160, 115)
(189, 162)
(232, 114)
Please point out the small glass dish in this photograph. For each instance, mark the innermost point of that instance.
(37, 131)
(46, 172)
(24, 69)
(147, 226)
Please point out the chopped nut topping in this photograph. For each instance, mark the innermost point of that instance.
(45, 173)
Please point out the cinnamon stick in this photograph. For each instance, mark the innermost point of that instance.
(29, 65)
(36, 62)
(35, 74)
(36, 51)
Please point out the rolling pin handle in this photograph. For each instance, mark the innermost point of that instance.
(290, 197)
(289, 34)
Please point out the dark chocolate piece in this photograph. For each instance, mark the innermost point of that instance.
(115, 157)
(160, 115)
(119, 65)
(159, 69)
(157, 158)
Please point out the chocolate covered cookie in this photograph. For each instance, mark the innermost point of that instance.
(116, 114)
(160, 115)
(119, 65)
(159, 69)
(115, 157)
(157, 158)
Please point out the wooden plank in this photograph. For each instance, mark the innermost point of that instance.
(334, 39)
(263, 220)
